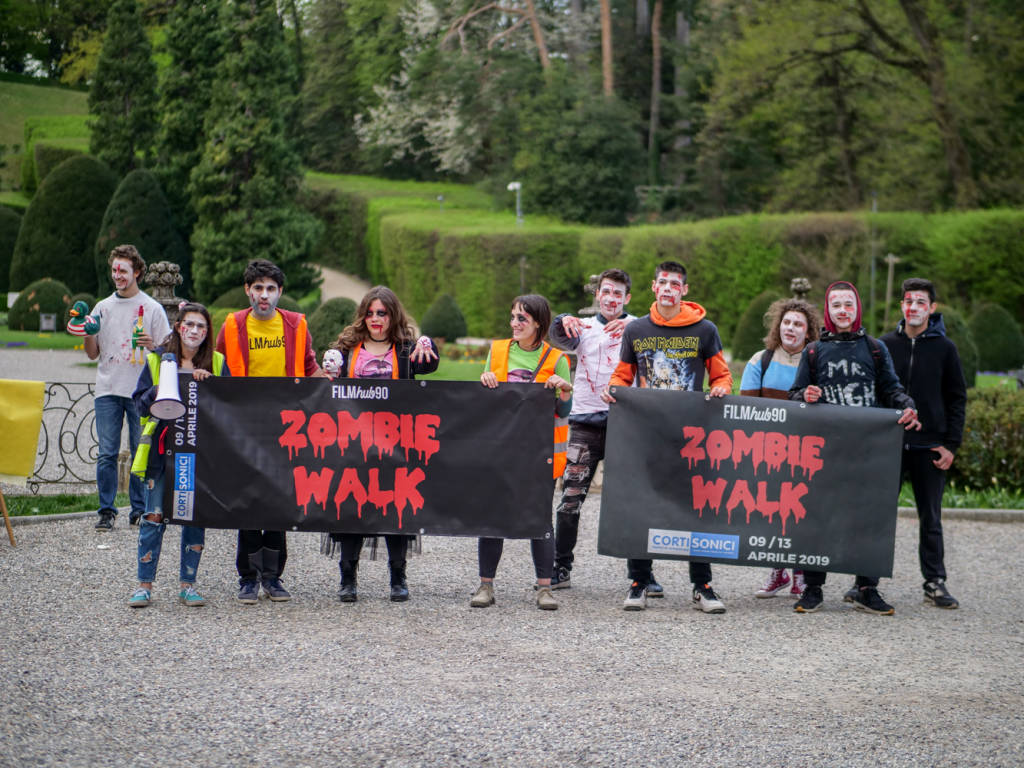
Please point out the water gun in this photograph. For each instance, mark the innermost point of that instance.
(81, 322)
(137, 331)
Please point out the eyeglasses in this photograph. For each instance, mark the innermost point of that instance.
(377, 313)
(521, 318)
(194, 326)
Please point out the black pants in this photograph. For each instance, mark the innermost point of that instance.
(249, 558)
(585, 450)
(817, 579)
(488, 551)
(641, 571)
(352, 543)
(929, 483)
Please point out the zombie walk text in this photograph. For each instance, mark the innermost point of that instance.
(434, 457)
(745, 481)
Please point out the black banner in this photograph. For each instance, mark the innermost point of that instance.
(750, 481)
(362, 456)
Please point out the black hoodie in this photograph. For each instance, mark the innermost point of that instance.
(929, 367)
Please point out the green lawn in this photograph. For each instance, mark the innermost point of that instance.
(457, 370)
(32, 340)
(19, 101)
(58, 504)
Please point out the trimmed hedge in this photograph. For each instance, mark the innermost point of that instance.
(49, 127)
(328, 321)
(992, 452)
(58, 233)
(10, 223)
(139, 214)
(751, 330)
(49, 154)
(999, 339)
(444, 319)
(959, 333)
(46, 295)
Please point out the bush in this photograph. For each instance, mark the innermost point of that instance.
(48, 155)
(46, 295)
(999, 338)
(48, 127)
(10, 223)
(139, 214)
(236, 299)
(992, 452)
(88, 298)
(751, 330)
(58, 233)
(959, 333)
(328, 321)
(444, 319)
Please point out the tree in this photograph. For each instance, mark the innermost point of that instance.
(245, 184)
(123, 95)
(138, 214)
(58, 231)
(10, 223)
(607, 75)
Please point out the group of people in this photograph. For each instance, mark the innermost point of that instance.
(915, 369)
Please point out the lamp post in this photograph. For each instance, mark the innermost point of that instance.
(517, 187)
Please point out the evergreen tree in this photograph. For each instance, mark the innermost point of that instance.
(123, 95)
(194, 39)
(138, 214)
(244, 188)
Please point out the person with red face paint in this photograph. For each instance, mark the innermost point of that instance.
(928, 365)
(527, 358)
(848, 367)
(380, 344)
(265, 341)
(596, 342)
(112, 338)
(792, 324)
(671, 348)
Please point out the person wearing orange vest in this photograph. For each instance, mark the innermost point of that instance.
(671, 347)
(265, 341)
(526, 357)
(380, 344)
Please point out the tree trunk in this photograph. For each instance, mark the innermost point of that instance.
(538, 35)
(607, 75)
(958, 160)
(652, 134)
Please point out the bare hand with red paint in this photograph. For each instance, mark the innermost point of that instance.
(812, 394)
(909, 417)
(422, 351)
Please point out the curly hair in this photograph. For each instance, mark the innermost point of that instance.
(399, 331)
(131, 253)
(778, 309)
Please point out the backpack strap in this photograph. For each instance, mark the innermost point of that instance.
(766, 360)
(812, 361)
(876, 353)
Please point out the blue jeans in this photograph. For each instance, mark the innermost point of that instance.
(151, 538)
(111, 412)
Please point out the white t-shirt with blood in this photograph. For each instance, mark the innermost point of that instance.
(116, 373)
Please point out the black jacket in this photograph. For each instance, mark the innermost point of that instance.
(929, 368)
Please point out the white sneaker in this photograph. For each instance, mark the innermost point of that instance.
(636, 598)
(705, 599)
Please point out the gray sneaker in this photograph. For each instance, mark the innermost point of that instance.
(249, 592)
(935, 592)
(275, 591)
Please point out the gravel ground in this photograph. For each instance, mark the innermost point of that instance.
(86, 681)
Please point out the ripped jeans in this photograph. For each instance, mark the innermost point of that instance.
(151, 537)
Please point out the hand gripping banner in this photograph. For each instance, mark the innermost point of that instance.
(750, 481)
(362, 456)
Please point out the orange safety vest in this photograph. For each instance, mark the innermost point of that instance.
(499, 366)
(353, 356)
(238, 363)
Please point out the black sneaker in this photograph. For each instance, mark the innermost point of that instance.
(810, 600)
(636, 598)
(869, 600)
(935, 592)
(851, 594)
(106, 521)
(134, 517)
(249, 592)
(654, 589)
(560, 578)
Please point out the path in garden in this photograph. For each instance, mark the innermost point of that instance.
(339, 284)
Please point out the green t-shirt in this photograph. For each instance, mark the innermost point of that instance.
(522, 363)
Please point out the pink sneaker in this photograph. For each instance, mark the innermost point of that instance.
(777, 581)
(799, 585)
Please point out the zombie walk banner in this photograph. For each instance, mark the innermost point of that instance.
(362, 456)
(750, 481)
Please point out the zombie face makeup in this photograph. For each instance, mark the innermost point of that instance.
(378, 320)
(917, 307)
(669, 289)
(842, 309)
(524, 328)
(793, 331)
(612, 297)
(123, 275)
(263, 296)
(192, 330)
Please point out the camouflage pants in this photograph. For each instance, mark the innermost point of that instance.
(585, 450)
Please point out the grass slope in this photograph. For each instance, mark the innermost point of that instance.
(19, 101)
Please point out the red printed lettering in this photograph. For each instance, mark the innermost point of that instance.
(692, 451)
(291, 439)
(311, 485)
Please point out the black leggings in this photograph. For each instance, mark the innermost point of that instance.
(543, 551)
(398, 544)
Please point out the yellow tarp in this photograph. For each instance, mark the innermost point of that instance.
(21, 415)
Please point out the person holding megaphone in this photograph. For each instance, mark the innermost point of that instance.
(189, 348)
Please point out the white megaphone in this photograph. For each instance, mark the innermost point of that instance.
(168, 405)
